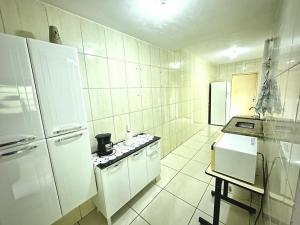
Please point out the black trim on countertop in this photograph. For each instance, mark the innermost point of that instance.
(111, 162)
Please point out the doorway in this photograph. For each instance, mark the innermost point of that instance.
(243, 94)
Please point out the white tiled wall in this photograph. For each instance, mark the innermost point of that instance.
(283, 146)
(125, 81)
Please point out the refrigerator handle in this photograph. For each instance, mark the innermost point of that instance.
(18, 141)
(66, 130)
(22, 150)
(70, 137)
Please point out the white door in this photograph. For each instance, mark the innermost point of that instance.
(218, 103)
(116, 186)
(137, 171)
(72, 167)
(20, 119)
(27, 189)
(57, 76)
(153, 161)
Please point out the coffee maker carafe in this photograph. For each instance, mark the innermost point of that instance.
(104, 144)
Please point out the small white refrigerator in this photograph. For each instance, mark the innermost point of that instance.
(219, 103)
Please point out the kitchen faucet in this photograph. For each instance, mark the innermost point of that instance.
(258, 114)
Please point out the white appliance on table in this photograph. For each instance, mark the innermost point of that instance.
(236, 156)
(219, 103)
(27, 190)
(57, 77)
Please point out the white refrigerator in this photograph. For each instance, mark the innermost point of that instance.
(28, 194)
(219, 103)
(56, 73)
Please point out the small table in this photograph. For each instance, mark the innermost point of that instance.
(258, 188)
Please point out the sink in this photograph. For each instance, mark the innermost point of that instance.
(245, 125)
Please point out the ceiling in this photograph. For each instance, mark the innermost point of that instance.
(207, 28)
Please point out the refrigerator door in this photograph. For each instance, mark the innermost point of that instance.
(20, 119)
(218, 103)
(27, 189)
(56, 73)
(73, 170)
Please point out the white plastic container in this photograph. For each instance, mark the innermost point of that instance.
(235, 156)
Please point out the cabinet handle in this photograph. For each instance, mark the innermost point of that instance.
(152, 145)
(152, 153)
(22, 150)
(70, 137)
(61, 131)
(18, 141)
(136, 154)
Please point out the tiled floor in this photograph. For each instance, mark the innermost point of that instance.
(182, 194)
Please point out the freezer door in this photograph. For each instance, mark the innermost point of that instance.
(73, 170)
(20, 119)
(27, 189)
(57, 77)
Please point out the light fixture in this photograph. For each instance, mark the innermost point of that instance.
(233, 52)
(163, 2)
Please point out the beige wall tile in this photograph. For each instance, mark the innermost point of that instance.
(136, 122)
(134, 99)
(93, 37)
(133, 75)
(119, 101)
(84, 81)
(121, 122)
(131, 49)
(148, 119)
(97, 72)
(101, 103)
(144, 53)
(87, 103)
(146, 98)
(105, 126)
(146, 77)
(155, 75)
(93, 141)
(10, 16)
(155, 58)
(114, 44)
(156, 97)
(117, 73)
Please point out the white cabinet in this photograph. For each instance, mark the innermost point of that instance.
(72, 168)
(113, 188)
(20, 120)
(121, 181)
(57, 77)
(153, 161)
(137, 171)
(27, 189)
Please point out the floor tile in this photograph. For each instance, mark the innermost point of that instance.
(174, 161)
(229, 214)
(123, 217)
(185, 151)
(139, 221)
(199, 139)
(203, 156)
(187, 188)
(197, 214)
(166, 209)
(196, 170)
(166, 174)
(143, 198)
(193, 144)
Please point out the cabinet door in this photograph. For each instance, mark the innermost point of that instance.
(20, 120)
(57, 77)
(27, 189)
(116, 186)
(153, 161)
(137, 171)
(73, 170)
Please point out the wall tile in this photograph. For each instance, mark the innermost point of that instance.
(117, 73)
(155, 58)
(136, 122)
(133, 75)
(105, 126)
(156, 97)
(144, 53)
(86, 98)
(114, 44)
(148, 119)
(121, 122)
(146, 77)
(93, 37)
(120, 101)
(134, 99)
(146, 98)
(1, 24)
(10, 16)
(93, 141)
(101, 103)
(131, 49)
(97, 72)
(155, 72)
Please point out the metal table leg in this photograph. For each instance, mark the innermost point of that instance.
(217, 204)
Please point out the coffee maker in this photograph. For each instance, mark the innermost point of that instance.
(104, 144)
